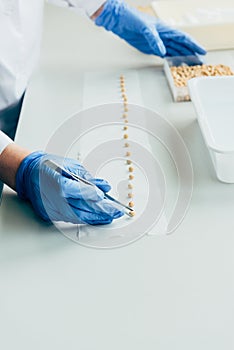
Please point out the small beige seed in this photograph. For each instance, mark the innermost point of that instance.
(126, 144)
(125, 109)
(131, 204)
(130, 186)
(124, 115)
(129, 162)
(125, 136)
(132, 213)
(130, 169)
(128, 154)
(126, 121)
(131, 177)
(130, 195)
(125, 128)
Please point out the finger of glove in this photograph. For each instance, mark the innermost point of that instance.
(166, 33)
(104, 207)
(154, 41)
(69, 164)
(76, 168)
(102, 184)
(194, 60)
(64, 210)
(82, 216)
(172, 52)
(75, 189)
(183, 40)
(191, 44)
(178, 50)
(108, 207)
(96, 221)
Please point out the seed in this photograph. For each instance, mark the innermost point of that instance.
(130, 186)
(126, 121)
(131, 177)
(124, 96)
(128, 154)
(132, 213)
(124, 115)
(125, 128)
(130, 169)
(129, 162)
(125, 99)
(126, 144)
(125, 136)
(123, 89)
(125, 109)
(130, 195)
(131, 204)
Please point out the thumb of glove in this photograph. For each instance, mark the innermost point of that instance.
(101, 184)
(154, 41)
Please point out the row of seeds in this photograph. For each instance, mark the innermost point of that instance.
(126, 143)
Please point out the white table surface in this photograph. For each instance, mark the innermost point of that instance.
(162, 292)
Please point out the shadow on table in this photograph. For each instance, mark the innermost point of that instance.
(23, 234)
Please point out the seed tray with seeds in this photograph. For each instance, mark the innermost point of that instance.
(179, 70)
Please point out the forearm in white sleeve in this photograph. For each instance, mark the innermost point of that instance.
(4, 141)
(88, 6)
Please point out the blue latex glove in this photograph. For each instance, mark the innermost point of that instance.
(55, 197)
(144, 32)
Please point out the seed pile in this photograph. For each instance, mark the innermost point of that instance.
(126, 144)
(182, 74)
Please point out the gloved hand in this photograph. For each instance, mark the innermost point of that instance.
(55, 197)
(144, 32)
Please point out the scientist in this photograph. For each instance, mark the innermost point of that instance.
(57, 197)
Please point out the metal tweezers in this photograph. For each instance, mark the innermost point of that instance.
(59, 169)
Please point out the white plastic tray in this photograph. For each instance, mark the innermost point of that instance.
(213, 98)
(180, 94)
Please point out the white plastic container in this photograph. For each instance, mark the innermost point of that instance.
(213, 98)
(210, 22)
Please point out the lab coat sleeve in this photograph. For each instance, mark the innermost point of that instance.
(4, 141)
(89, 7)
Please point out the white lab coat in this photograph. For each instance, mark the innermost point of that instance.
(20, 35)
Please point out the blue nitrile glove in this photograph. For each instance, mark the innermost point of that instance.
(56, 197)
(144, 32)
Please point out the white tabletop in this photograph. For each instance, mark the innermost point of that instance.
(162, 292)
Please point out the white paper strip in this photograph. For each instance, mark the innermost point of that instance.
(103, 89)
